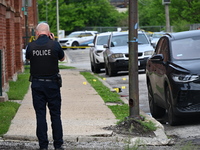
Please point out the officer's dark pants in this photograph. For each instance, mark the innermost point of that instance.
(47, 93)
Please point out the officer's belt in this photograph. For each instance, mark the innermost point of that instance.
(45, 80)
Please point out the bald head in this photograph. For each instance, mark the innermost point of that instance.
(42, 28)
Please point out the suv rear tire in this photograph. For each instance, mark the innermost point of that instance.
(111, 70)
(172, 119)
(156, 111)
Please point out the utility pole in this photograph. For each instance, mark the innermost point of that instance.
(46, 11)
(57, 14)
(26, 4)
(166, 3)
(26, 20)
(133, 60)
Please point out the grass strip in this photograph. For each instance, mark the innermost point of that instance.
(7, 112)
(20, 87)
(66, 67)
(120, 111)
(103, 91)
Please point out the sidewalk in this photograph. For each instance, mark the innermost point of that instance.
(84, 115)
(83, 112)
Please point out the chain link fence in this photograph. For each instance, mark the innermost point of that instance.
(146, 28)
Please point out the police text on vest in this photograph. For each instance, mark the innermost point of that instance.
(41, 52)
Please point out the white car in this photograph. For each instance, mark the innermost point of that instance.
(116, 55)
(96, 51)
(74, 39)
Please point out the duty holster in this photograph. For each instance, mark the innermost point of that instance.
(59, 78)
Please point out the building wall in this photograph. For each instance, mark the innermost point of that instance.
(32, 16)
(10, 42)
(12, 32)
(3, 41)
(19, 25)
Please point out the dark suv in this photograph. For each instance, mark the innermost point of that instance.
(173, 76)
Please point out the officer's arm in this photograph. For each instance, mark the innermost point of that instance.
(62, 59)
(61, 54)
(27, 54)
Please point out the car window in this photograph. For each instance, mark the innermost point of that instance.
(88, 34)
(72, 35)
(101, 40)
(165, 49)
(188, 48)
(85, 34)
(158, 47)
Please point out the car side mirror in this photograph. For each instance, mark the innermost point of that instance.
(105, 46)
(157, 58)
(153, 45)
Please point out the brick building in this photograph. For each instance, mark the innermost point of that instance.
(12, 31)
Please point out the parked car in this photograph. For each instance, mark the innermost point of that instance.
(74, 39)
(116, 55)
(173, 76)
(155, 37)
(96, 51)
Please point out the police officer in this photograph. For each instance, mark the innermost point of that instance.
(44, 54)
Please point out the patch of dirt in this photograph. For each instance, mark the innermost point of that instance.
(131, 127)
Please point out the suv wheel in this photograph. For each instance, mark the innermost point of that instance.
(155, 110)
(96, 67)
(111, 70)
(105, 66)
(172, 119)
(106, 70)
(75, 44)
(92, 66)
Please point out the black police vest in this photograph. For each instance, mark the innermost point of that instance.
(43, 59)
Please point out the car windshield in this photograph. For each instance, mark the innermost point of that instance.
(122, 40)
(156, 35)
(142, 39)
(101, 40)
(188, 48)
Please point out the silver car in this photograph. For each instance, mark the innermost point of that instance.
(155, 37)
(116, 55)
(96, 51)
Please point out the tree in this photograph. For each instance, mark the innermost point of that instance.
(77, 14)
(151, 12)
